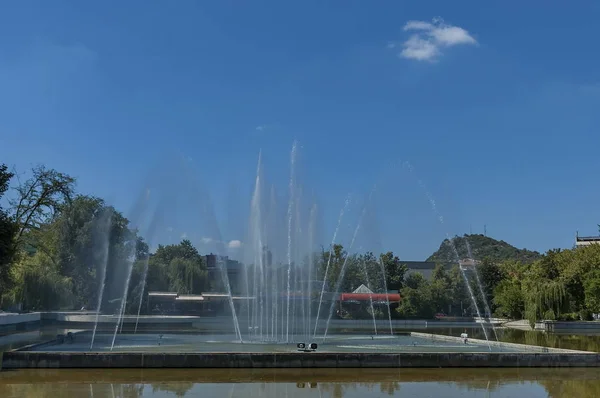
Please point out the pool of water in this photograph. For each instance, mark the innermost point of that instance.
(570, 341)
(227, 343)
(300, 383)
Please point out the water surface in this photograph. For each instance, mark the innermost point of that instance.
(281, 383)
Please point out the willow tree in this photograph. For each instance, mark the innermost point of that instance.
(543, 299)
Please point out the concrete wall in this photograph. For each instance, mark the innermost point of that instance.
(17, 360)
(10, 323)
(12, 319)
(493, 343)
(558, 326)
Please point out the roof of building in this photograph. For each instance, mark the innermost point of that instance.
(190, 297)
(162, 294)
(395, 297)
(413, 265)
(588, 238)
(215, 295)
(363, 290)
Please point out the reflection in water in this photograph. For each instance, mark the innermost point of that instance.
(567, 341)
(296, 383)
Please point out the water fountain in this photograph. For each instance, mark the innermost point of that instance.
(480, 286)
(102, 238)
(457, 258)
(280, 301)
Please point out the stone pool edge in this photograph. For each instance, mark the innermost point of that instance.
(70, 360)
(501, 344)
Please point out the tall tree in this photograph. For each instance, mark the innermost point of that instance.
(8, 231)
(177, 267)
(416, 298)
(440, 287)
(394, 271)
(490, 275)
(39, 199)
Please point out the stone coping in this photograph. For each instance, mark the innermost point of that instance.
(524, 347)
(66, 360)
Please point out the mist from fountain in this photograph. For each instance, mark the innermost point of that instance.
(289, 237)
(368, 284)
(280, 309)
(333, 240)
(282, 303)
(129, 267)
(455, 251)
(150, 235)
(280, 268)
(387, 298)
(480, 286)
(338, 284)
(103, 238)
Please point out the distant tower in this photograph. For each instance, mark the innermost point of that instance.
(484, 230)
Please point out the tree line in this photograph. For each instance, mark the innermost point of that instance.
(57, 248)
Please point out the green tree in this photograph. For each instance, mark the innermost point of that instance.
(508, 299)
(458, 292)
(39, 199)
(330, 265)
(394, 271)
(8, 230)
(185, 276)
(592, 291)
(490, 275)
(440, 288)
(80, 244)
(177, 267)
(416, 298)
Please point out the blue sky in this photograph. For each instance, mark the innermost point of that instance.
(494, 106)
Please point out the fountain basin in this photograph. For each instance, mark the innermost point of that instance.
(343, 351)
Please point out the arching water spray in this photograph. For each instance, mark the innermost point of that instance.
(311, 239)
(337, 228)
(129, 265)
(453, 246)
(368, 284)
(485, 302)
(343, 270)
(387, 297)
(289, 241)
(150, 235)
(104, 234)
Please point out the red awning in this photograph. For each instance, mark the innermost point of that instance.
(393, 298)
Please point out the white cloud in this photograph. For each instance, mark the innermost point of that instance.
(430, 38)
(418, 25)
(260, 128)
(234, 244)
(420, 49)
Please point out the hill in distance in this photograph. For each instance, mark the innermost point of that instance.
(481, 247)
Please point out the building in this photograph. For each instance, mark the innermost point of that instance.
(424, 268)
(586, 240)
(173, 303)
(215, 277)
(364, 294)
(235, 271)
